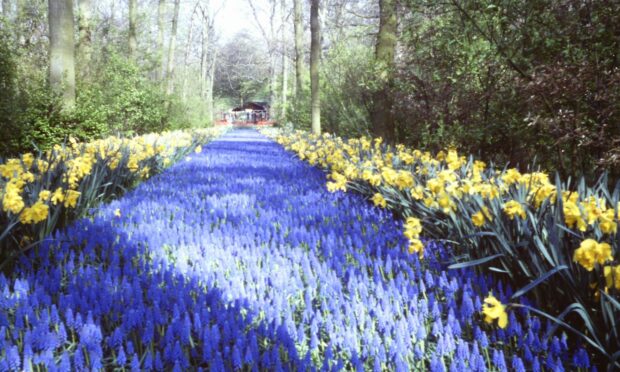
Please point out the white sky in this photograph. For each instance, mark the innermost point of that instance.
(233, 16)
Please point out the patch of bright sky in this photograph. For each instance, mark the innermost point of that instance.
(234, 16)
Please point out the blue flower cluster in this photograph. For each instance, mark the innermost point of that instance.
(238, 258)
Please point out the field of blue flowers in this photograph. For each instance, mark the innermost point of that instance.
(238, 258)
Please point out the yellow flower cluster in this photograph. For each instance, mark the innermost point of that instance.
(25, 182)
(464, 189)
(339, 182)
(441, 181)
(413, 229)
(379, 200)
(481, 217)
(590, 252)
(493, 309)
(612, 276)
(513, 208)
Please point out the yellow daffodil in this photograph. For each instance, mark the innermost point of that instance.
(404, 180)
(435, 185)
(36, 213)
(493, 309)
(478, 219)
(389, 175)
(132, 164)
(417, 192)
(12, 200)
(511, 176)
(58, 196)
(573, 216)
(513, 208)
(416, 246)
(413, 227)
(590, 252)
(71, 198)
(445, 202)
(44, 195)
(379, 200)
(612, 276)
(541, 193)
(28, 159)
(339, 182)
(607, 224)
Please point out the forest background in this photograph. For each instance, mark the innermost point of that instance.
(533, 82)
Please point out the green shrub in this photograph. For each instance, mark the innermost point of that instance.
(121, 100)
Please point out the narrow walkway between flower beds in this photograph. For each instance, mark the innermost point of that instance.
(239, 257)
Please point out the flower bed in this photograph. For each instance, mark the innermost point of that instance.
(42, 192)
(562, 251)
(240, 258)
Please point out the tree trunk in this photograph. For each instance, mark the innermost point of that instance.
(85, 34)
(133, 42)
(298, 30)
(186, 55)
(284, 99)
(273, 85)
(172, 49)
(381, 113)
(62, 50)
(207, 64)
(209, 92)
(6, 8)
(113, 12)
(206, 39)
(284, 61)
(161, 10)
(315, 56)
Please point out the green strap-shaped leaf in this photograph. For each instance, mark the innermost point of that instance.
(480, 261)
(536, 282)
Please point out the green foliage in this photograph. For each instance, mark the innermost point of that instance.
(347, 74)
(121, 100)
(299, 112)
(191, 113)
(116, 99)
(513, 80)
(347, 78)
(8, 75)
(36, 121)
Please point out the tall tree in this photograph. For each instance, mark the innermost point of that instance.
(315, 56)
(188, 46)
(172, 49)
(207, 60)
(210, 84)
(298, 31)
(273, 97)
(271, 41)
(62, 50)
(6, 8)
(284, 59)
(381, 113)
(85, 34)
(161, 66)
(133, 41)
